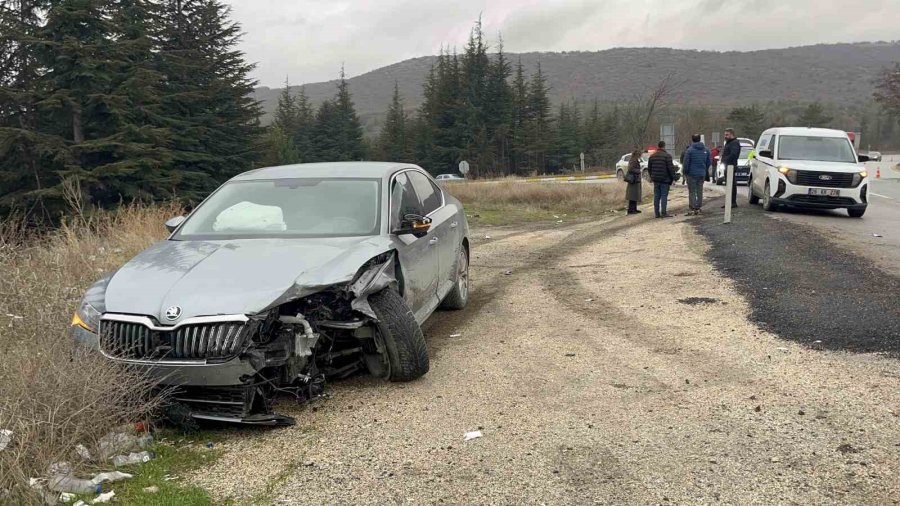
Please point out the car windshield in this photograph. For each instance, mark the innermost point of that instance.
(819, 149)
(299, 207)
(745, 152)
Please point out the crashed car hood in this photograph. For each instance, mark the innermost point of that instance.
(245, 276)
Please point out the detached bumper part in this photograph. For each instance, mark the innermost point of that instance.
(236, 404)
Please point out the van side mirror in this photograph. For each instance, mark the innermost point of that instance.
(414, 224)
(766, 153)
(174, 223)
(864, 158)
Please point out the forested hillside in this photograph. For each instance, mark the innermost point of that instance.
(834, 73)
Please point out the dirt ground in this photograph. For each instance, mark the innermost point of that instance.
(612, 365)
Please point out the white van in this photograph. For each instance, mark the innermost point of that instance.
(813, 168)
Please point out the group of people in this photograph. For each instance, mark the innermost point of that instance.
(696, 162)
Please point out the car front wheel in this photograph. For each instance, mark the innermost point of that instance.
(768, 205)
(753, 198)
(400, 335)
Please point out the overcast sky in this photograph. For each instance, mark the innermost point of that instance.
(307, 40)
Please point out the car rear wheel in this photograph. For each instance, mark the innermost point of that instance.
(459, 295)
(404, 343)
(620, 175)
(768, 205)
(856, 213)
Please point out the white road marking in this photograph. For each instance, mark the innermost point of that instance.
(882, 196)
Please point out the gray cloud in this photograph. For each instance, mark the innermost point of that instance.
(308, 40)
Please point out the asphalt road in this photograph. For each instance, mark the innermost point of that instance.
(876, 236)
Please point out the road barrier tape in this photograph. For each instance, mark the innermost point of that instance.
(566, 178)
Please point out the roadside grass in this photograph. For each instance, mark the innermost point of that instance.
(507, 202)
(53, 397)
(177, 455)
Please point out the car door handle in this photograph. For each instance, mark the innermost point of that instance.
(454, 224)
(433, 240)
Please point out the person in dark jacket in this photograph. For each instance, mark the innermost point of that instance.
(663, 174)
(696, 166)
(633, 190)
(730, 155)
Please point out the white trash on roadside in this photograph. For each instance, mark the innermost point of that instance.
(475, 434)
(112, 477)
(877, 235)
(104, 498)
(82, 452)
(5, 438)
(455, 335)
(66, 497)
(151, 489)
(80, 503)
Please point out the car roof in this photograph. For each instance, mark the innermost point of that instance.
(329, 169)
(819, 132)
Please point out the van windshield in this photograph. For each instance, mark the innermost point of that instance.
(818, 149)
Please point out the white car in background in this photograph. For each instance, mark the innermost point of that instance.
(449, 177)
(622, 166)
(741, 172)
(812, 168)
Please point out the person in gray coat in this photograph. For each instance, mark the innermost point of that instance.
(633, 190)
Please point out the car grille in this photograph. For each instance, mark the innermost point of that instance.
(837, 179)
(137, 341)
(821, 199)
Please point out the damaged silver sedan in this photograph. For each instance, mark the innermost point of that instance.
(283, 278)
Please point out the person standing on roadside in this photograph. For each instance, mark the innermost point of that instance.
(633, 178)
(696, 167)
(663, 174)
(714, 160)
(730, 155)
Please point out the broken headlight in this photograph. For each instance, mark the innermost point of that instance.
(87, 317)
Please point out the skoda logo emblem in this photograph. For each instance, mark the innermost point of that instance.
(173, 313)
(825, 177)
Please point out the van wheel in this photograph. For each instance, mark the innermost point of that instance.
(753, 198)
(768, 205)
(856, 213)
(404, 343)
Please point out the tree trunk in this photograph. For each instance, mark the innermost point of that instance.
(77, 131)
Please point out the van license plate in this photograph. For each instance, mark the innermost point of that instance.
(824, 192)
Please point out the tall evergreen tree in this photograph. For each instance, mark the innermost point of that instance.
(568, 135)
(207, 94)
(814, 116)
(393, 142)
(519, 119)
(538, 122)
(337, 133)
(498, 110)
(302, 135)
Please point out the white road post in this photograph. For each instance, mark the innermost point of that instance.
(729, 184)
(582, 163)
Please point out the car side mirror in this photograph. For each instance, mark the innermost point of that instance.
(174, 223)
(414, 224)
(766, 153)
(864, 158)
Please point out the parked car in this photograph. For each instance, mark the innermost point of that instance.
(741, 172)
(747, 145)
(449, 177)
(808, 168)
(281, 279)
(622, 167)
(874, 156)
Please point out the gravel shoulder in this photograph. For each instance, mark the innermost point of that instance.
(591, 383)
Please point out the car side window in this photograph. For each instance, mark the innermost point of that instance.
(430, 197)
(626, 158)
(403, 200)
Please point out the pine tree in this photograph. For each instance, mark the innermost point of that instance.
(813, 116)
(337, 132)
(305, 119)
(207, 94)
(748, 121)
(29, 158)
(519, 120)
(286, 112)
(498, 110)
(568, 135)
(538, 121)
(393, 142)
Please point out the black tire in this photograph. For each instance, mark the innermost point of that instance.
(753, 198)
(404, 343)
(620, 175)
(856, 213)
(459, 296)
(768, 205)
